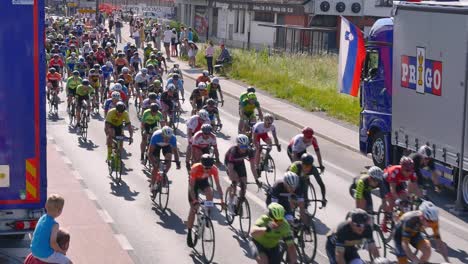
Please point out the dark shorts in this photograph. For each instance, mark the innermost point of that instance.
(385, 188)
(80, 99)
(118, 130)
(239, 168)
(298, 155)
(350, 252)
(199, 104)
(165, 150)
(119, 68)
(167, 44)
(414, 241)
(284, 202)
(149, 127)
(200, 185)
(273, 254)
(71, 92)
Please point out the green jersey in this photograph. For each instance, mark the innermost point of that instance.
(362, 187)
(298, 168)
(249, 108)
(154, 62)
(242, 97)
(72, 83)
(150, 119)
(271, 239)
(83, 90)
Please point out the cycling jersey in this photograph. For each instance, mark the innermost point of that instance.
(54, 78)
(154, 62)
(127, 78)
(120, 62)
(279, 192)
(363, 188)
(233, 155)
(147, 51)
(73, 83)
(417, 158)
(107, 71)
(56, 62)
(157, 139)
(297, 144)
(179, 85)
(109, 104)
(200, 141)
(150, 119)
(141, 79)
(117, 120)
(297, 167)
(410, 225)
(198, 173)
(213, 91)
(242, 97)
(100, 56)
(260, 128)
(84, 90)
(202, 78)
(147, 103)
(198, 94)
(168, 99)
(393, 174)
(343, 239)
(135, 62)
(272, 238)
(194, 124)
(249, 108)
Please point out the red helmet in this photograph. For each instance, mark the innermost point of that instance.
(308, 132)
(407, 163)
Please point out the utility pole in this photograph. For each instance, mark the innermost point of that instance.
(97, 12)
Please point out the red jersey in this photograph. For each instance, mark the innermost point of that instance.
(53, 77)
(54, 62)
(393, 174)
(198, 173)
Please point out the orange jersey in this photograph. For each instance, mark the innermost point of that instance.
(53, 77)
(198, 173)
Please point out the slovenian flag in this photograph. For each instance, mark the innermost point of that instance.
(351, 58)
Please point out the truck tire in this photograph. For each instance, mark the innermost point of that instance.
(379, 153)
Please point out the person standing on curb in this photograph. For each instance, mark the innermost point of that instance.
(209, 52)
(136, 35)
(111, 22)
(174, 43)
(182, 36)
(118, 30)
(141, 30)
(192, 53)
(190, 34)
(167, 42)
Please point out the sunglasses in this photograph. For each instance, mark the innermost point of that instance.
(360, 225)
(243, 147)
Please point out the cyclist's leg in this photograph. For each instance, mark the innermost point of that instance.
(242, 174)
(167, 152)
(330, 249)
(259, 253)
(424, 246)
(155, 172)
(144, 136)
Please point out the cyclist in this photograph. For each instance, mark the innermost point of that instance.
(304, 168)
(83, 91)
(152, 60)
(213, 89)
(165, 140)
(127, 77)
(260, 131)
(287, 193)
(111, 102)
(363, 185)
(114, 125)
(169, 102)
(72, 83)
(82, 67)
(147, 51)
(394, 186)
(203, 78)
(101, 56)
(266, 234)
(212, 110)
(198, 181)
(422, 159)
(141, 82)
(135, 62)
(341, 243)
(150, 120)
(243, 96)
(299, 143)
(90, 59)
(120, 87)
(175, 69)
(152, 99)
(107, 72)
(161, 60)
(178, 84)
(157, 84)
(57, 63)
(71, 62)
(247, 113)
(153, 74)
(234, 162)
(197, 97)
(53, 81)
(201, 143)
(410, 231)
(194, 124)
(121, 62)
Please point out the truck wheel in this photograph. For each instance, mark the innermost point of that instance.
(379, 152)
(465, 189)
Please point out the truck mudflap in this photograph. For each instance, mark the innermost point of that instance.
(23, 179)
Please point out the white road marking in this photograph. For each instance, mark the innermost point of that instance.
(66, 160)
(58, 148)
(105, 216)
(90, 195)
(123, 241)
(77, 175)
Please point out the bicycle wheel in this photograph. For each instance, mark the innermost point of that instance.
(176, 119)
(380, 242)
(269, 169)
(84, 127)
(71, 114)
(389, 225)
(307, 242)
(230, 216)
(244, 217)
(311, 200)
(164, 192)
(208, 240)
(117, 169)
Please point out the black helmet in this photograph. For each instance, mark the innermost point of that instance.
(52, 70)
(359, 216)
(210, 101)
(76, 73)
(85, 82)
(206, 128)
(120, 107)
(92, 70)
(251, 89)
(152, 96)
(97, 66)
(307, 159)
(154, 107)
(207, 161)
(175, 76)
(121, 81)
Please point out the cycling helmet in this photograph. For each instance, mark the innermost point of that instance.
(429, 211)
(85, 82)
(206, 128)
(251, 96)
(242, 140)
(268, 117)
(154, 107)
(76, 73)
(207, 161)
(251, 89)
(202, 86)
(153, 56)
(117, 87)
(307, 132)
(144, 70)
(291, 179)
(407, 163)
(425, 151)
(120, 106)
(205, 73)
(215, 80)
(92, 71)
(73, 54)
(121, 81)
(108, 44)
(91, 53)
(81, 59)
(171, 87)
(167, 131)
(96, 66)
(52, 70)
(109, 64)
(115, 95)
(359, 216)
(157, 82)
(381, 260)
(159, 53)
(175, 76)
(211, 102)
(307, 159)
(125, 70)
(276, 211)
(376, 173)
(152, 96)
(203, 114)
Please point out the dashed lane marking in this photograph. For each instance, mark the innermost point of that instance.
(123, 241)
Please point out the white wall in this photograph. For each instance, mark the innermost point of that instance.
(371, 10)
(262, 35)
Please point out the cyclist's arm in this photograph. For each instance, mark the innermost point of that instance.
(292, 254)
(275, 137)
(319, 180)
(129, 125)
(215, 175)
(260, 227)
(260, 113)
(359, 194)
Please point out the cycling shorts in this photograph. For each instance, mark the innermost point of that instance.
(118, 130)
(147, 129)
(385, 189)
(80, 99)
(165, 150)
(200, 185)
(416, 242)
(273, 254)
(71, 92)
(262, 136)
(297, 155)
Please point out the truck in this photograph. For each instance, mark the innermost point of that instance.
(23, 170)
(413, 88)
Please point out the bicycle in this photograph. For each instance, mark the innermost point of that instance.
(311, 201)
(379, 239)
(94, 103)
(84, 120)
(174, 117)
(267, 164)
(54, 101)
(238, 206)
(115, 163)
(162, 186)
(71, 112)
(217, 126)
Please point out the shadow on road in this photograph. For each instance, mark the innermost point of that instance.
(123, 190)
(54, 117)
(87, 144)
(198, 259)
(181, 133)
(244, 243)
(170, 220)
(97, 116)
(320, 228)
(223, 136)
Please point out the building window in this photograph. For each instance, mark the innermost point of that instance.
(242, 22)
(264, 17)
(236, 21)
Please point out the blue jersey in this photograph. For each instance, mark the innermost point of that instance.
(107, 71)
(179, 85)
(158, 140)
(108, 105)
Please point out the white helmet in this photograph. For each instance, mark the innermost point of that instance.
(215, 80)
(115, 95)
(203, 114)
(109, 64)
(171, 87)
(425, 151)
(429, 211)
(375, 173)
(125, 69)
(291, 179)
(205, 73)
(117, 87)
(167, 131)
(242, 140)
(269, 117)
(202, 86)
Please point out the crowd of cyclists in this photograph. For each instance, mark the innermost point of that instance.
(100, 75)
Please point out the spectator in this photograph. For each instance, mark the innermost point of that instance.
(182, 36)
(142, 35)
(63, 241)
(156, 32)
(184, 47)
(136, 36)
(44, 244)
(224, 57)
(190, 34)
(174, 41)
(209, 57)
(167, 41)
(192, 53)
(118, 30)
(111, 22)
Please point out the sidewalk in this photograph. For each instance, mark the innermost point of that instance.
(92, 240)
(286, 111)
